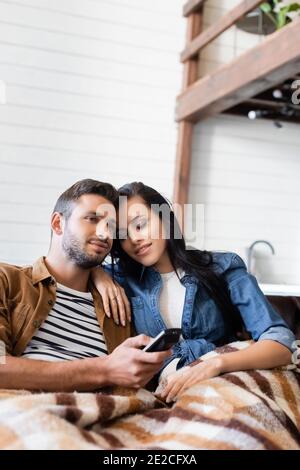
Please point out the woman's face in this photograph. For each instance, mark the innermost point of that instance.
(141, 232)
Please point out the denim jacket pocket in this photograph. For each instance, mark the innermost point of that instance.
(210, 323)
(137, 302)
(143, 322)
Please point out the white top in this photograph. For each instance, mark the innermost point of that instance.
(71, 330)
(171, 304)
(171, 299)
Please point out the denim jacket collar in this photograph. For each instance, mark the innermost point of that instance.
(154, 277)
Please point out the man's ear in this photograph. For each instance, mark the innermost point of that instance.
(57, 223)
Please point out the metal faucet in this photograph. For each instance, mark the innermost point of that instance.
(250, 251)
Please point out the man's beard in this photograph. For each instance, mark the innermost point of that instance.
(73, 249)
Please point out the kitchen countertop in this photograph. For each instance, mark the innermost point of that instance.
(280, 289)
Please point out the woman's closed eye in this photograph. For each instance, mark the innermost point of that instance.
(138, 225)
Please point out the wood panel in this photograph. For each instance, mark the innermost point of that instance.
(218, 28)
(185, 130)
(192, 6)
(273, 61)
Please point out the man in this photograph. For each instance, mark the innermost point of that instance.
(52, 323)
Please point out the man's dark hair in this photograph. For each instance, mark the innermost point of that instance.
(65, 203)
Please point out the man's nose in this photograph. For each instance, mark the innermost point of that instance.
(102, 234)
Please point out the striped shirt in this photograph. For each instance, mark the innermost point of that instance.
(71, 330)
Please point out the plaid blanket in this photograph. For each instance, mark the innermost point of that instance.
(258, 409)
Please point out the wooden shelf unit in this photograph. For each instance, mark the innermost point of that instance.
(274, 60)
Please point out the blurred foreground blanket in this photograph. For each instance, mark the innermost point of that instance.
(258, 409)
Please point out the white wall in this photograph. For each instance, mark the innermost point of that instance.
(91, 88)
(247, 175)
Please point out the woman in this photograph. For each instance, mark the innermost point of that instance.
(209, 295)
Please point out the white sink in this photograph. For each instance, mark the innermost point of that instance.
(280, 289)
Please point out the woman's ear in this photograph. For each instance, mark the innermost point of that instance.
(57, 223)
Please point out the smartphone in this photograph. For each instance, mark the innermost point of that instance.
(164, 340)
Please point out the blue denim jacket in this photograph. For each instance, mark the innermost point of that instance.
(203, 328)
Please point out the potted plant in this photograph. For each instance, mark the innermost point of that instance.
(281, 12)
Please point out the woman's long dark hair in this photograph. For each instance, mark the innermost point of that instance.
(194, 262)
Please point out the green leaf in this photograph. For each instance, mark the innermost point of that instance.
(294, 7)
(266, 7)
(282, 18)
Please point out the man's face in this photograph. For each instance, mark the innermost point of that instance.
(88, 233)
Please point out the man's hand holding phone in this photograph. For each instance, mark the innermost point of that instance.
(129, 366)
